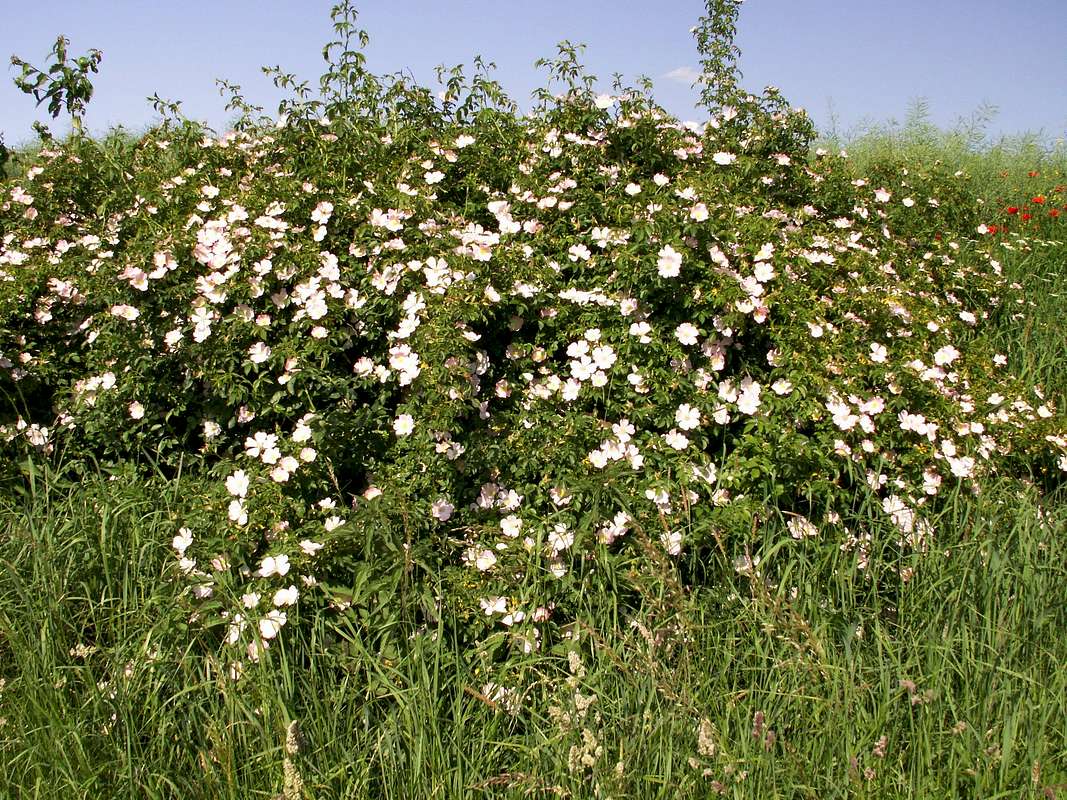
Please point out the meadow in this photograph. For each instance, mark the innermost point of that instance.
(406, 446)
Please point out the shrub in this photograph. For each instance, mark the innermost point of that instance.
(498, 362)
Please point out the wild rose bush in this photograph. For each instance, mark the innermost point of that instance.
(504, 358)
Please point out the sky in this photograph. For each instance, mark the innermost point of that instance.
(850, 63)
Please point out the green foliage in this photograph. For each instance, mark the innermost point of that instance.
(714, 35)
(63, 83)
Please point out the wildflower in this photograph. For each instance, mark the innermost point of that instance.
(578, 252)
(604, 356)
(687, 333)
(493, 605)
(260, 445)
(687, 417)
(962, 467)
(931, 482)
(800, 527)
(286, 597)
(271, 625)
(125, 312)
(404, 425)
(441, 509)
(763, 272)
(748, 401)
(273, 565)
(676, 440)
(237, 513)
(623, 430)
(669, 264)
(782, 387)
(309, 547)
(322, 212)
(302, 432)
(672, 542)
(560, 538)
(183, 541)
(707, 473)
(946, 355)
(513, 618)
(724, 159)
(582, 369)
(237, 483)
(640, 330)
(511, 526)
(483, 560)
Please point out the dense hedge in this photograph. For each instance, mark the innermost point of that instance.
(506, 359)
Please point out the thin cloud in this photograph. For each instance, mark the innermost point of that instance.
(686, 75)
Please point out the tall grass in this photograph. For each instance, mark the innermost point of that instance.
(781, 684)
(978, 631)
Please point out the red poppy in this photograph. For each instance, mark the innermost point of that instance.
(1033, 173)
(1026, 217)
(1039, 199)
(992, 229)
(1013, 209)
(1054, 213)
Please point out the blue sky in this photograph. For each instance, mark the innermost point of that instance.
(866, 60)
